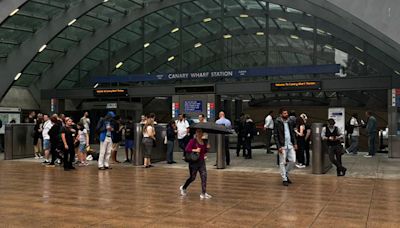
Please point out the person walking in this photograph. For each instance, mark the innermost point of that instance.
(105, 127)
(197, 145)
(227, 123)
(354, 133)
(171, 136)
(269, 129)
(371, 132)
(334, 137)
(285, 139)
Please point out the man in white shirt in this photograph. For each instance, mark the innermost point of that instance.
(46, 137)
(269, 128)
(355, 127)
(182, 126)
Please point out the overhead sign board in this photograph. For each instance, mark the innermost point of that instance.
(110, 92)
(240, 73)
(296, 86)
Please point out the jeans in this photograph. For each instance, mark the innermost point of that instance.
(285, 167)
(195, 167)
(105, 152)
(268, 143)
(182, 145)
(170, 151)
(69, 156)
(371, 143)
(353, 148)
(239, 145)
(335, 155)
(247, 147)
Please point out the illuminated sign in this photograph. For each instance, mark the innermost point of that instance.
(296, 86)
(110, 92)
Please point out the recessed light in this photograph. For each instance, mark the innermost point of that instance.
(42, 48)
(14, 12)
(119, 65)
(72, 22)
(17, 76)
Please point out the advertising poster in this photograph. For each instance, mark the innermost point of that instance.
(338, 114)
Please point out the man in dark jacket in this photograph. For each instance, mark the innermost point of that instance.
(285, 140)
(372, 133)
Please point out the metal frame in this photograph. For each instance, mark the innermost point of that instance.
(18, 60)
(323, 9)
(8, 6)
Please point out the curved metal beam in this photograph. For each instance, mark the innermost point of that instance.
(6, 7)
(65, 64)
(21, 57)
(132, 48)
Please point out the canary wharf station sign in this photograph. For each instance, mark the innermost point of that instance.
(241, 73)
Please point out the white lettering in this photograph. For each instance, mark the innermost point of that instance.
(178, 76)
(222, 74)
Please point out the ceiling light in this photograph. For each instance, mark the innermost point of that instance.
(14, 12)
(198, 45)
(244, 15)
(307, 29)
(146, 45)
(398, 73)
(281, 19)
(359, 49)
(71, 22)
(17, 76)
(362, 63)
(95, 86)
(42, 48)
(320, 31)
(175, 30)
(328, 47)
(105, 1)
(260, 33)
(227, 36)
(119, 65)
(294, 37)
(171, 58)
(208, 19)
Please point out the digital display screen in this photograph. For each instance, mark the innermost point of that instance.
(193, 106)
(110, 92)
(296, 86)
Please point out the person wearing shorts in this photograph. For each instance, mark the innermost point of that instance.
(129, 139)
(83, 138)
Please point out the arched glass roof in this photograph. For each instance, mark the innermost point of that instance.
(121, 37)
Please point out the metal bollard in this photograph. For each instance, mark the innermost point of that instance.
(220, 151)
(320, 162)
(138, 154)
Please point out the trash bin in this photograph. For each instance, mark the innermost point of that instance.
(320, 158)
(18, 141)
(220, 141)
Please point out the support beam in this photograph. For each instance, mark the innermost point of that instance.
(6, 7)
(18, 60)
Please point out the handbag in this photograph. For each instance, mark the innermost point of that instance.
(192, 157)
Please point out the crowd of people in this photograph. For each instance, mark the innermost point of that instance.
(57, 139)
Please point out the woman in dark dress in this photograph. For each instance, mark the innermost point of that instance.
(68, 135)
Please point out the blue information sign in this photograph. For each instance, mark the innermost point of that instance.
(193, 106)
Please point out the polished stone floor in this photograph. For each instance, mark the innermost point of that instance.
(32, 195)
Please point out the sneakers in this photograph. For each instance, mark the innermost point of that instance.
(367, 156)
(205, 196)
(300, 166)
(347, 151)
(285, 183)
(37, 157)
(46, 161)
(183, 191)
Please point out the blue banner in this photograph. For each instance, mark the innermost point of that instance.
(253, 72)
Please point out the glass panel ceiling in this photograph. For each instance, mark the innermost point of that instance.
(202, 34)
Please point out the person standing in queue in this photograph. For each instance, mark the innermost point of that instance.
(68, 135)
(372, 133)
(171, 135)
(129, 130)
(239, 128)
(249, 132)
(334, 137)
(55, 139)
(307, 139)
(269, 128)
(227, 123)
(183, 130)
(197, 145)
(149, 139)
(285, 139)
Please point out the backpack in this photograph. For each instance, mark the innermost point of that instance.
(349, 128)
